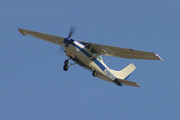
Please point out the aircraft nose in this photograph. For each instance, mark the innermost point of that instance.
(66, 40)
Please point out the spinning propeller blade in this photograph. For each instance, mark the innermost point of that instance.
(72, 30)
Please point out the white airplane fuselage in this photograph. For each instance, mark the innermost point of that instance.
(82, 55)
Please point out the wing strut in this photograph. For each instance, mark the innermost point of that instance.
(58, 43)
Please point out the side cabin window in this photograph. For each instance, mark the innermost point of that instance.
(94, 52)
(88, 46)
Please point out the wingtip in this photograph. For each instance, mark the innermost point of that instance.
(159, 57)
(20, 30)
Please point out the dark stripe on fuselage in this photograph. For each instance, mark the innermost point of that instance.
(117, 82)
(99, 64)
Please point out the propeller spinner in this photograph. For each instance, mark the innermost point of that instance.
(68, 40)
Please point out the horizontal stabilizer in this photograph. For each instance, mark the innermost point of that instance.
(128, 83)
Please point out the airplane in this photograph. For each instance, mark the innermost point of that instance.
(89, 56)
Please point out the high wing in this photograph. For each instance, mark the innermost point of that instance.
(43, 36)
(124, 53)
(101, 49)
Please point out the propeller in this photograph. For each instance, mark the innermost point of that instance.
(72, 30)
(67, 40)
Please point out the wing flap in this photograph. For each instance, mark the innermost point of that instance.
(43, 36)
(124, 53)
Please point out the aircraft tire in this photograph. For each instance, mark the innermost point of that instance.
(66, 62)
(94, 73)
(65, 67)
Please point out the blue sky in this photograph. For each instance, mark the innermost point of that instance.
(33, 85)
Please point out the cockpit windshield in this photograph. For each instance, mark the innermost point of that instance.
(94, 52)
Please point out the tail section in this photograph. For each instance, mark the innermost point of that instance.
(124, 73)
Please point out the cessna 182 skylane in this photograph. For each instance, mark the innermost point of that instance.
(88, 55)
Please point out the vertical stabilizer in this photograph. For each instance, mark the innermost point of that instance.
(125, 73)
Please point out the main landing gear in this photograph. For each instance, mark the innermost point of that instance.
(94, 73)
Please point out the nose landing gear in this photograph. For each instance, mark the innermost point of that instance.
(65, 67)
(66, 62)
